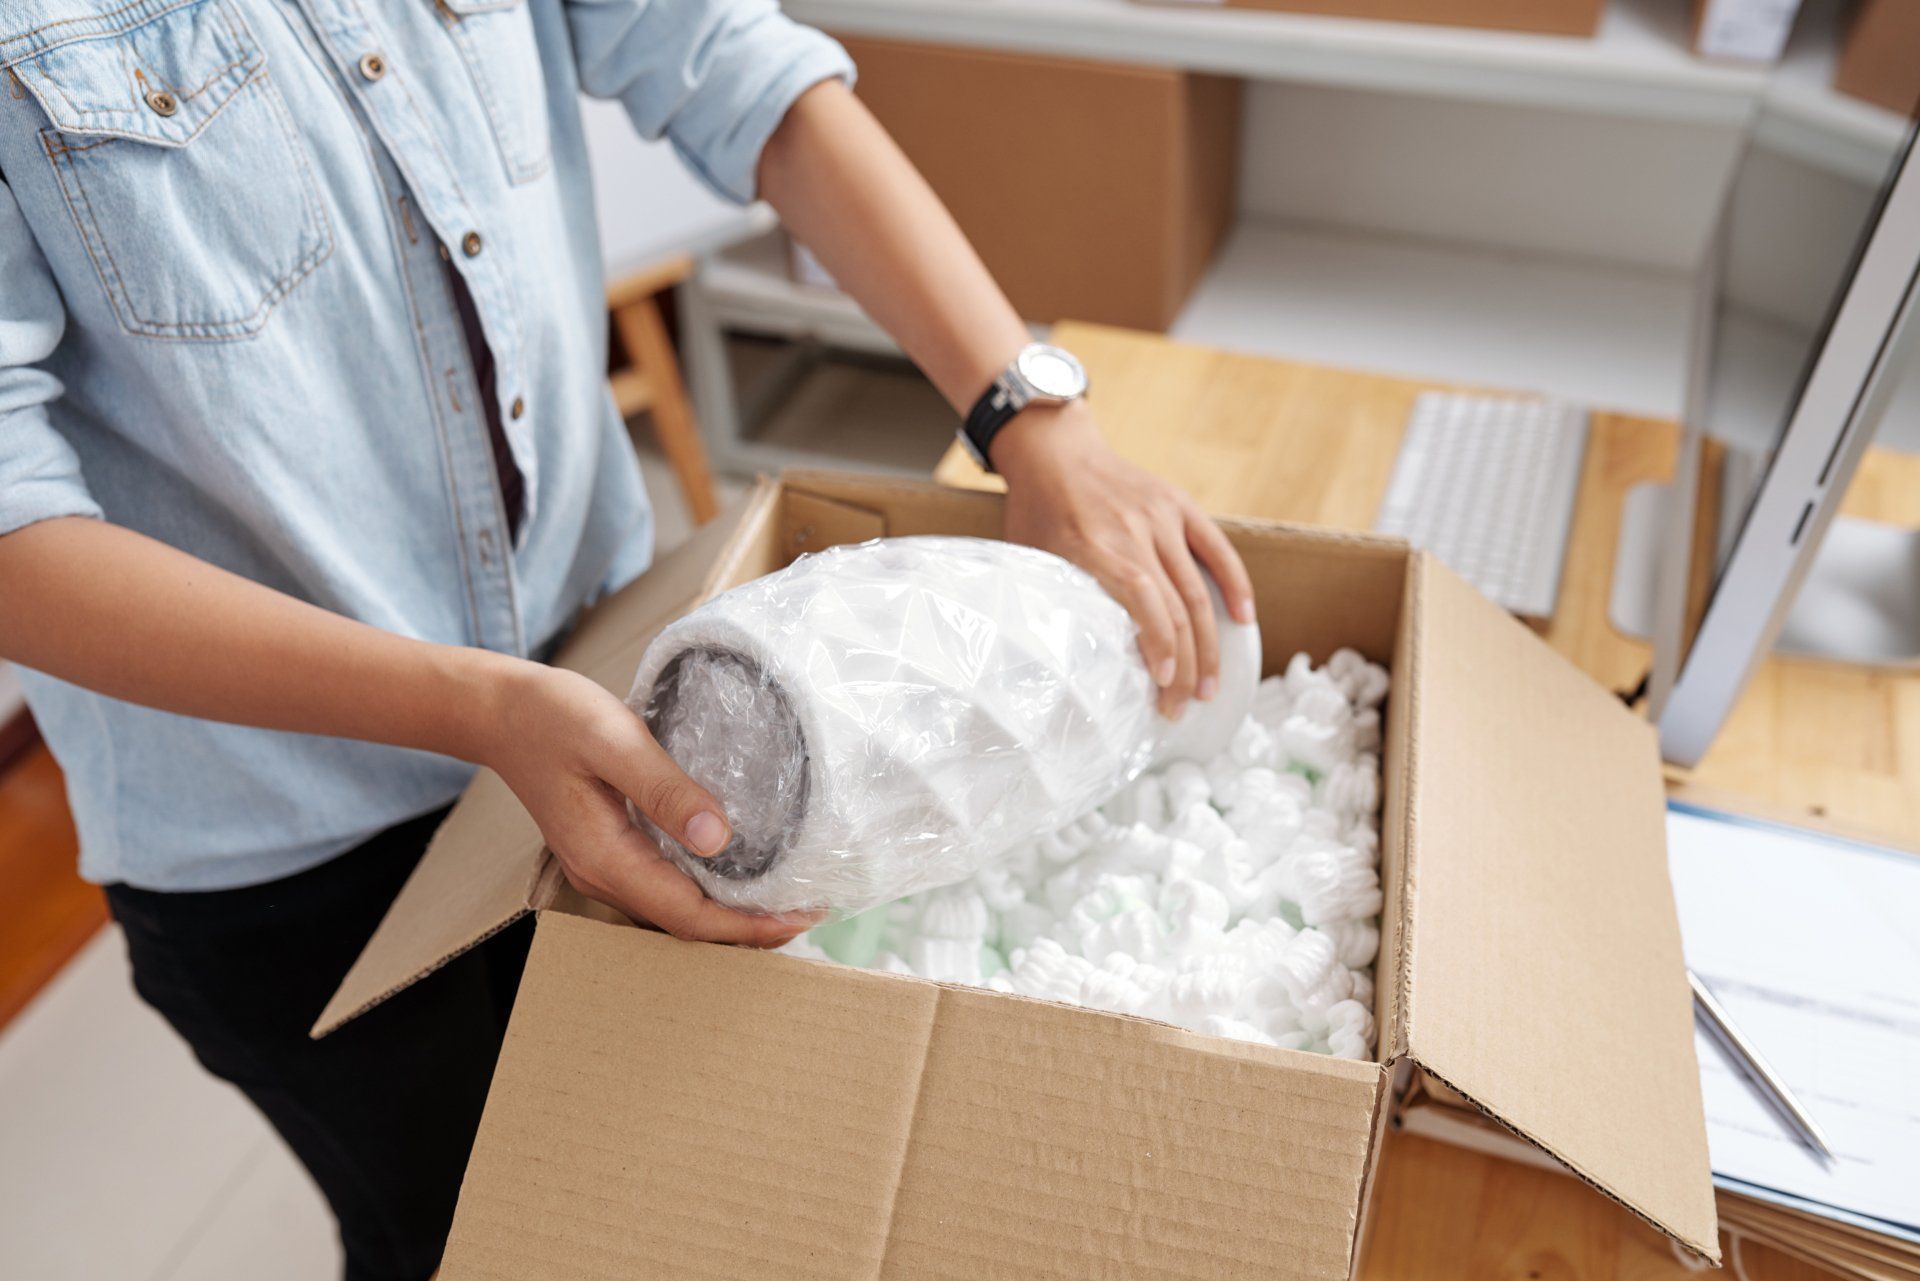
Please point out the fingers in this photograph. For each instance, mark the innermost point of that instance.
(1139, 590)
(1197, 602)
(609, 859)
(633, 876)
(1210, 545)
(1173, 699)
(633, 762)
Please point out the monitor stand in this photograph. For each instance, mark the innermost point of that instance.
(1860, 602)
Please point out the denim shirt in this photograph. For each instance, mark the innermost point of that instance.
(227, 321)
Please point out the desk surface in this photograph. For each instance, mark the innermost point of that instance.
(1251, 436)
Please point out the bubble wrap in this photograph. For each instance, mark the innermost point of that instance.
(1238, 895)
(895, 715)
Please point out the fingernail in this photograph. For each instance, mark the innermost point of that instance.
(706, 834)
(1163, 673)
(1209, 686)
(1243, 610)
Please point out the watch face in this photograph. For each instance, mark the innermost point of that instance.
(1052, 372)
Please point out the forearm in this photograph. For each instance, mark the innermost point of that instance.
(846, 191)
(109, 609)
(852, 197)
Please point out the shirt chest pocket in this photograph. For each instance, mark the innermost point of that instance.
(188, 183)
(496, 41)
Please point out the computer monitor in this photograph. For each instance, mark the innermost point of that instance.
(1732, 570)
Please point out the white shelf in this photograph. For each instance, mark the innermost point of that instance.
(1637, 65)
(1589, 332)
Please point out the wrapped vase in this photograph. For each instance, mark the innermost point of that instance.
(887, 717)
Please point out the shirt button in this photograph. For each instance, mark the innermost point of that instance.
(470, 244)
(518, 409)
(372, 66)
(162, 102)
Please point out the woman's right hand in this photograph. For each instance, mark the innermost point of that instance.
(574, 755)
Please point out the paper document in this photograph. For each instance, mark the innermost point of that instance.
(1812, 943)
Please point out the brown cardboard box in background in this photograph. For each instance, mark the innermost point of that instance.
(677, 1109)
(1880, 55)
(1551, 17)
(1092, 190)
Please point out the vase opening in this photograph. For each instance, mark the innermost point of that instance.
(727, 722)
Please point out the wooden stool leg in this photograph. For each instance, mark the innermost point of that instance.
(644, 334)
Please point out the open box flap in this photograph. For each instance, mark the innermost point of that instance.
(487, 865)
(681, 1109)
(1541, 972)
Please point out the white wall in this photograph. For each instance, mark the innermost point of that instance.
(1534, 181)
(648, 203)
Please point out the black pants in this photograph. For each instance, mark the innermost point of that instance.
(383, 1111)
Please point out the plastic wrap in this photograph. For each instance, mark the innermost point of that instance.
(891, 716)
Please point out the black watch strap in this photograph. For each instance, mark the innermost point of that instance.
(989, 414)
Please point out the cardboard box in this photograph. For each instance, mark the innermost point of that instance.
(1093, 191)
(1552, 17)
(676, 1109)
(1880, 57)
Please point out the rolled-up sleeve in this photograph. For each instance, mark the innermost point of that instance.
(39, 472)
(713, 76)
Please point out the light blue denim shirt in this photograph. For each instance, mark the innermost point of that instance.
(226, 321)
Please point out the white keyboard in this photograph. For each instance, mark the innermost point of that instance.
(1487, 484)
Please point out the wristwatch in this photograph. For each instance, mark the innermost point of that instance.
(1041, 373)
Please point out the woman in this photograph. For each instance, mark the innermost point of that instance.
(306, 458)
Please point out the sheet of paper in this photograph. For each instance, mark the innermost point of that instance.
(1813, 946)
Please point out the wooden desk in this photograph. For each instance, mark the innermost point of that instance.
(1273, 439)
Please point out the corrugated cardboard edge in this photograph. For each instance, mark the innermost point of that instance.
(603, 647)
(396, 956)
(1370, 1177)
(547, 885)
(1406, 693)
(1411, 653)
(331, 1020)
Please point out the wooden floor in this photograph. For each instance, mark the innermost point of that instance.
(49, 911)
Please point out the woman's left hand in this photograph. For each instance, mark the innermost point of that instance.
(1145, 540)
